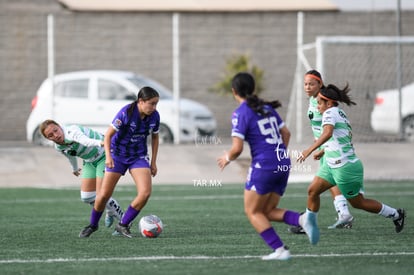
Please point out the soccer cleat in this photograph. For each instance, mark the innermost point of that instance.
(296, 230)
(308, 223)
(109, 219)
(116, 233)
(342, 223)
(282, 253)
(87, 231)
(399, 223)
(123, 230)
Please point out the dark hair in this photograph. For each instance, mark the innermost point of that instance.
(334, 93)
(243, 84)
(145, 93)
(317, 75)
(46, 123)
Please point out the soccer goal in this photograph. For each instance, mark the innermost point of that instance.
(367, 63)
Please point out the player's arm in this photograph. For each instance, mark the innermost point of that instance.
(327, 132)
(73, 162)
(109, 162)
(285, 133)
(155, 141)
(234, 152)
(80, 137)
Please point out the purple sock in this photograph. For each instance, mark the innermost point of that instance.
(129, 215)
(291, 218)
(271, 238)
(95, 217)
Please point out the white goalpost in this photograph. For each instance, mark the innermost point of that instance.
(368, 63)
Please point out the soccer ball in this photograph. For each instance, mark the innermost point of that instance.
(150, 226)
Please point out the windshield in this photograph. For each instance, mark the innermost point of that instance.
(142, 82)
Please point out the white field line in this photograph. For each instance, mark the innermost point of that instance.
(196, 197)
(195, 258)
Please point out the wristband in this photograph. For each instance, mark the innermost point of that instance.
(227, 158)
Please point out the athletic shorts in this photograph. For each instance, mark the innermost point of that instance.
(121, 165)
(267, 181)
(92, 170)
(349, 178)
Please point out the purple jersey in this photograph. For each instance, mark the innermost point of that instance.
(130, 140)
(262, 133)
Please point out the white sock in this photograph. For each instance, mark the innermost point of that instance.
(88, 197)
(114, 208)
(341, 206)
(389, 212)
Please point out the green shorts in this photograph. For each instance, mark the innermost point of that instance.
(349, 178)
(92, 170)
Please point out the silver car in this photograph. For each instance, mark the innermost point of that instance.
(92, 99)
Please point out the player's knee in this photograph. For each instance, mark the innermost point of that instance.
(312, 191)
(144, 195)
(88, 197)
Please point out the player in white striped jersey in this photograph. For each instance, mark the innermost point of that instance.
(343, 168)
(313, 83)
(74, 142)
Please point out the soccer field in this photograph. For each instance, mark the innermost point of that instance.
(205, 232)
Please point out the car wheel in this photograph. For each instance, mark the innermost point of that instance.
(39, 139)
(408, 129)
(165, 134)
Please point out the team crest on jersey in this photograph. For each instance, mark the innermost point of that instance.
(118, 123)
(234, 121)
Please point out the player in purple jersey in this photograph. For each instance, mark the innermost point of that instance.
(126, 149)
(257, 122)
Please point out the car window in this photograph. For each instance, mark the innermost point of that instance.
(109, 90)
(72, 88)
(141, 82)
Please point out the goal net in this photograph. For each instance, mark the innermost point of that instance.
(368, 64)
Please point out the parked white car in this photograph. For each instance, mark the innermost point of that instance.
(92, 99)
(384, 116)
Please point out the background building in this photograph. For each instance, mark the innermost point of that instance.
(140, 40)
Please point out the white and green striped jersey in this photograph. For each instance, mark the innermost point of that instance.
(338, 149)
(81, 142)
(315, 117)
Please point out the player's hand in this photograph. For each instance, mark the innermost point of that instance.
(109, 162)
(77, 172)
(318, 155)
(302, 157)
(154, 170)
(223, 161)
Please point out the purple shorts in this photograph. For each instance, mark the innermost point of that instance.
(267, 181)
(122, 165)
